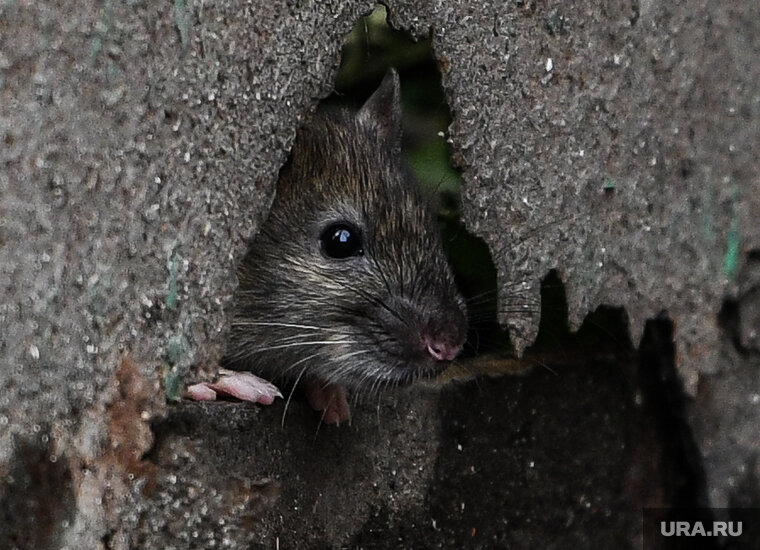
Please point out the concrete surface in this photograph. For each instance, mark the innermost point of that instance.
(140, 143)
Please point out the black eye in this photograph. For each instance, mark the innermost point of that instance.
(341, 240)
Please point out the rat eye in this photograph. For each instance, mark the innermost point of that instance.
(341, 240)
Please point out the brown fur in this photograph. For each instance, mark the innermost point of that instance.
(372, 309)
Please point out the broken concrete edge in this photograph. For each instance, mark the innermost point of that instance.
(96, 428)
(696, 341)
(103, 449)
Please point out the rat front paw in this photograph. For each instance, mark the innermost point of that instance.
(329, 399)
(241, 385)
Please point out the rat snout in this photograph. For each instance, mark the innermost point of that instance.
(440, 349)
(426, 331)
(443, 333)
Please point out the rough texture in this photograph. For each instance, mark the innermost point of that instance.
(394, 479)
(611, 142)
(615, 142)
(139, 145)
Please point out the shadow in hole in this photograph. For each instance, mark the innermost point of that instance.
(562, 457)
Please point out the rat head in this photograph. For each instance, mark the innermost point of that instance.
(347, 281)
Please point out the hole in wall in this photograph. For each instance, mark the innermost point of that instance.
(488, 430)
(371, 48)
(604, 333)
(348, 254)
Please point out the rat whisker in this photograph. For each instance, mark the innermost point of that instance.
(298, 344)
(300, 337)
(509, 299)
(379, 302)
(347, 355)
(286, 325)
(295, 384)
(344, 368)
(373, 386)
(381, 272)
(486, 295)
(377, 410)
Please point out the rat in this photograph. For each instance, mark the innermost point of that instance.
(346, 285)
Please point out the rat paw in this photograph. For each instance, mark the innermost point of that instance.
(241, 385)
(330, 400)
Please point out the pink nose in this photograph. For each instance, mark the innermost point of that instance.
(441, 351)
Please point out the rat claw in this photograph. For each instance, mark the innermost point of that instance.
(241, 385)
(200, 392)
(247, 387)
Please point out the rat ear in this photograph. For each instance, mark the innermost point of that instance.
(383, 109)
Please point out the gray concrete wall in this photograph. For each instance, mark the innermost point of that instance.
(139, 146)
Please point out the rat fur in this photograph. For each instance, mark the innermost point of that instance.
(386, 315)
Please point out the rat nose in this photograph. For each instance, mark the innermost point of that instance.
(440, 350)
